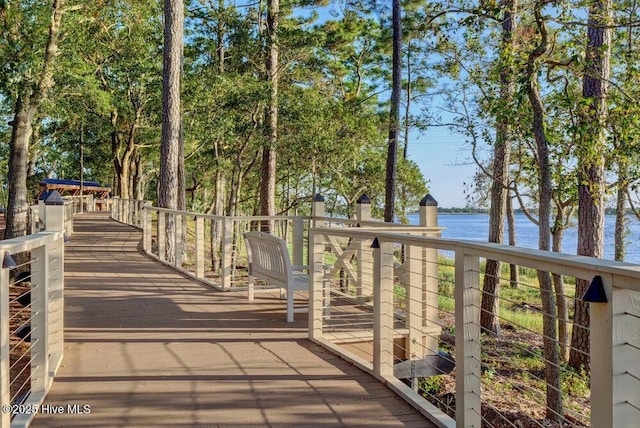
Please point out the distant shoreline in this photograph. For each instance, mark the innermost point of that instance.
(468, 210)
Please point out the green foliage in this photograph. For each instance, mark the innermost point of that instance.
(431, 386)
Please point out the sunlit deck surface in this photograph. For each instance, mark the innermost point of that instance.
(145, 346)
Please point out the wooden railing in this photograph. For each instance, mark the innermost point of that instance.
(392, 297)
(211, 249)
(31, 318)
(413, 319)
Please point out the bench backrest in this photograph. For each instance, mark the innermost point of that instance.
(268, 258)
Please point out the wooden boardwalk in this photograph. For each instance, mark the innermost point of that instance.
(145, 346)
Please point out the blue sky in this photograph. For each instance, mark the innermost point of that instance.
(443, 158)
(442, 155)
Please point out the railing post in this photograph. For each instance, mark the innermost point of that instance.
(5, 390)
(114, 208)
(68, 219)
(383, 309)
(55, 284)
(138, 216)
(179, 240)
(39, 319)
(298, 241)
(317, 286)
(40, 322)
(54, 212)
(467, 301)
(602, 349)
(364, 288)
(431, 322)
(317, 210)
(414, 348)
(614, 340)
(199, 247)
(227, 249)
(147, 224)
(162, 235)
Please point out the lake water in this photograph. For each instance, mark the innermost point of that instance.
(476, 227)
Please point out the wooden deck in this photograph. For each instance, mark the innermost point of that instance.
(146, 346)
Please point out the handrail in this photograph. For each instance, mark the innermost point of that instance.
(613, 326)
(566, 264)
(226, 251)
(38, 343)
(404, 256)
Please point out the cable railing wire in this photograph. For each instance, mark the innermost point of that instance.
(530, 374)
(526, 329)
(531, 353)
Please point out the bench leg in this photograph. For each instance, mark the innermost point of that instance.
(289, 305)
(250, 291)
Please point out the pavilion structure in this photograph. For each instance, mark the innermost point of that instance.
(74, 188)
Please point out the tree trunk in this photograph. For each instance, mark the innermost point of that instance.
(115, 150)
(17, 203)
(500, 179)
(514, 275)
(268, 169)
(216, 226)
(591, 178)
(558, 286)
(394, 115)
(555, 408)
(26, 108)
(137, 184)
(220, 32)
(407, 107)
(622, 187)
(169, 180)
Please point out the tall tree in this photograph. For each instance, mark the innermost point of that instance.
(591, 164)
(37, 83)
(394, 114)
(169, 181)
(268, 169)
(500, 171)
(555, 409)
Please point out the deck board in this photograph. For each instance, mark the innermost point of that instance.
(146, 346)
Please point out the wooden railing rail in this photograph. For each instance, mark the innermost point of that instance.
(210, 248)
(614, 381)
(31, 323)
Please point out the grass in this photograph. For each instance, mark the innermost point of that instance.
(519, 306)
(513, 365)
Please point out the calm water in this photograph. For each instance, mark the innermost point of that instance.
(476, 227)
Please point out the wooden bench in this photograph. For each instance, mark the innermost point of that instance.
(269, 261)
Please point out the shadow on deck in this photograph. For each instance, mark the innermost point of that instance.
(147, 346)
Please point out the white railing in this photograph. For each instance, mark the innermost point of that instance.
(128, 211)
(425, 318)
(208, 248)
(31, 318)
(403, 307)
(211, 249)
(82, 203)
(36, 221)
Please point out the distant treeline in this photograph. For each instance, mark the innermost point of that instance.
(465, 210)
(473, 210)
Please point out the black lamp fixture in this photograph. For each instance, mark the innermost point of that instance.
(595, 293)
(8, 262)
